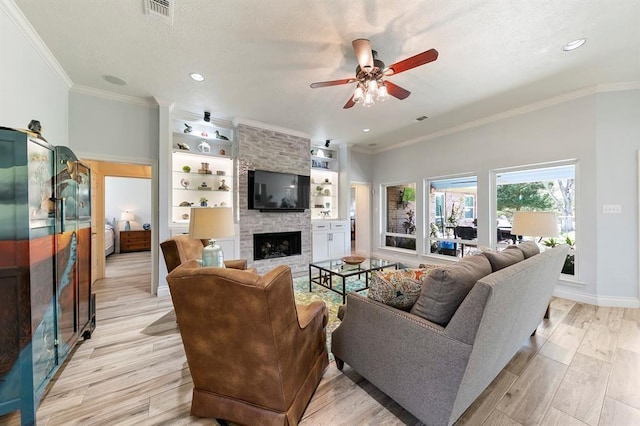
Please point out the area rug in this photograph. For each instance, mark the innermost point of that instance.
(331, 298)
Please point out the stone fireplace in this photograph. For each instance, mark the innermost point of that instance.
(272, 150)
(276, 244)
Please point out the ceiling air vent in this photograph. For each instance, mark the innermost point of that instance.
(422, 118)
(162, 8)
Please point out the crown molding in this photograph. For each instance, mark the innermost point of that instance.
(164, 103)
(31, 35)
(576, 94)
(264, 126)
(105, 94)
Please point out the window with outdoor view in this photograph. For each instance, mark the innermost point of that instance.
(452, 216)
(539, 189)
(400, 229)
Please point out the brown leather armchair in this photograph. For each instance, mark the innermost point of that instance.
(180, 248)
(255, 356)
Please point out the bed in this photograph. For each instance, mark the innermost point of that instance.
(109, 239)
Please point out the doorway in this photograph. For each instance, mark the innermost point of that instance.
(100, 170)
(360, 216)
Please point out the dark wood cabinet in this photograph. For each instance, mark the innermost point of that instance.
(135, 241)
(46, 303)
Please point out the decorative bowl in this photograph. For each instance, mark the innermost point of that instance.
(353, 260)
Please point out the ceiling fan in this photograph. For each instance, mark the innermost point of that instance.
(370, 74)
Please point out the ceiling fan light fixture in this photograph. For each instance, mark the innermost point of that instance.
(368, 100)
(372, 87)
(358, 94)
(197, 77)
(573, 45)
(383, 95)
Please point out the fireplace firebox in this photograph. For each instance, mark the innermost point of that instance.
(276, 244)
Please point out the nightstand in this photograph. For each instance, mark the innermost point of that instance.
(135, 241)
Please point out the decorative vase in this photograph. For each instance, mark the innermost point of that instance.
(203, 204)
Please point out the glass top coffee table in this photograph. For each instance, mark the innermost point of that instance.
(323, 273)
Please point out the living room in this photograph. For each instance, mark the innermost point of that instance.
(592, 123)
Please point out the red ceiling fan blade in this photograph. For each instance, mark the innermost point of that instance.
(396, 91)
(333, 83)
(349, 103)
(412, 62)
(362, 49)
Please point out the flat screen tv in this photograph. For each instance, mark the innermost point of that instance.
(274, 191)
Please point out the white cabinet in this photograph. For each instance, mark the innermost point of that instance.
(329, 240)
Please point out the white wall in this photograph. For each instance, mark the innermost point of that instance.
(112, 129)
(128, 194)
(30, 88)
(618, 142)
(598, 130)
(360, 166)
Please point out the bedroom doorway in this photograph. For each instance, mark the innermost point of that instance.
(101, 172)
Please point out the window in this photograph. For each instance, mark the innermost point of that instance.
(452, 215)
(469, 207)
(539, 189)
(400, 231)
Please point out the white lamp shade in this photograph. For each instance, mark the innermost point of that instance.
(211, 222)
(127, 216)
(535, 224)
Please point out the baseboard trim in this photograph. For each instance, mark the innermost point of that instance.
(163, 291)
(611, 301)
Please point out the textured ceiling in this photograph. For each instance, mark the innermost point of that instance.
(259, 57)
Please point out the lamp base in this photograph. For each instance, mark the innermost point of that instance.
(127, 226)
(212, 255)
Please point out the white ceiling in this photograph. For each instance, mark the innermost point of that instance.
(259, 57)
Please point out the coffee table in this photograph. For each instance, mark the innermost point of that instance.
(327, 270)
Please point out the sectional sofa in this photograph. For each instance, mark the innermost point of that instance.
(436, 356)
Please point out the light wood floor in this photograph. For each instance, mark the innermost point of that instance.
(581, 368)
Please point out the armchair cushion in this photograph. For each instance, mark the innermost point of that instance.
(400, 288)
(444, 288)
(182, 248)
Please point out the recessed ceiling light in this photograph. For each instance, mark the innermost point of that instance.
(196, 76)
(366, 130)
(572, 45)
(114, 80)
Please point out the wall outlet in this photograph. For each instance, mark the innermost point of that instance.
(611, 208)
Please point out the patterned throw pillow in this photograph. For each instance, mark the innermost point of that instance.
(399, 289)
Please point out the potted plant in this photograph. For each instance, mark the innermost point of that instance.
(186, 169)
(569, 265)
(203, 202)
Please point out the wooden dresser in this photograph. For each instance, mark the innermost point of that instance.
(135, 241)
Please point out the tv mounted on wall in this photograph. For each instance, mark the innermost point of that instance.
(278, 192)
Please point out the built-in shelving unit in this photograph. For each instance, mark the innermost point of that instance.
(202, 167)
(324, 184)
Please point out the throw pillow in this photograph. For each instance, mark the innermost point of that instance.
(445, 288)
(397, 288)
(528, 248)
(502, 259)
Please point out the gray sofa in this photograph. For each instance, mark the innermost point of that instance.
(436, 372)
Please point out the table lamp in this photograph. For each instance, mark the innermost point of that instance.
(535, 224)
(210, 223)
(127, 217)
